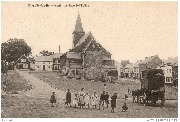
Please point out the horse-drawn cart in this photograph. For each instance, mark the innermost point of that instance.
(152, 88)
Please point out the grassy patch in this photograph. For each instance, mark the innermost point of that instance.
(90, 86)
(14, 82)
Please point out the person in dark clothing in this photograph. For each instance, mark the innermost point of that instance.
(107, 99)
(68, 98)
(124, 108)
(53, 99)
(113, 102)
(102, 100)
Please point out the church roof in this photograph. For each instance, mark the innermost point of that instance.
(85, 41)
(78, 26)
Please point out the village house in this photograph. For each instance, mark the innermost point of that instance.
(167, 70)
(175, 74)
(147, 64)
(87, 58)
(56, 61)
(43, 63)
(23, 63)
(135, 67)
(128, 70)
(48, 63)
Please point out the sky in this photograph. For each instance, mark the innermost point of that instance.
(129, 30)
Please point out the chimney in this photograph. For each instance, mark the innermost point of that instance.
(59, 48)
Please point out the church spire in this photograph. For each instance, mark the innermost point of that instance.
(78, 26)
(78, 31)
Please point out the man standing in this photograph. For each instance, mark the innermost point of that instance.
(68, 98)
(102, 100)
(107, 99)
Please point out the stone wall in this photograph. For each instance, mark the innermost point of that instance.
(93, 59)
(93, 64)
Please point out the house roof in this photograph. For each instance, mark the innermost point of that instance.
(73, 55)
(128, 66)
(135, 64)
(147, 59)
(43, 58)
(21, 57)
(173, 61)
(176, 64)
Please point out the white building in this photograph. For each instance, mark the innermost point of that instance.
(135, 70)
(43, 63)
(167, 69)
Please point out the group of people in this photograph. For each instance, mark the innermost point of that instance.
(84, 100)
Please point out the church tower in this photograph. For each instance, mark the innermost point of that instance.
(78, 31)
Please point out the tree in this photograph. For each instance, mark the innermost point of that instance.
(14, 49)
(46, 53)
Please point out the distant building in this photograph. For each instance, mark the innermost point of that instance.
(56, 61)
(23, 63)
(167, 69)
(124, 63)
(135, 67)
(128, 71)
(121, 71)
(43, 63)
(147, 64)
(175, 74)
(48, 63)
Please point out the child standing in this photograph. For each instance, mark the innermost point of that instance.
(124, 108)
(113, 102)
(94, 99)
(87, 100)
(53, 99)
(75, 101)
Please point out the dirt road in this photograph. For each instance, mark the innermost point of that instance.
(40, 89)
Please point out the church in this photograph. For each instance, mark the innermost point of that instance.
(87, 59)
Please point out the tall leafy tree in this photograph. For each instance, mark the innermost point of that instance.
(13, 49)
(46, 53)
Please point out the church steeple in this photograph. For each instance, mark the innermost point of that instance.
(78, 26)
(78, 31)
